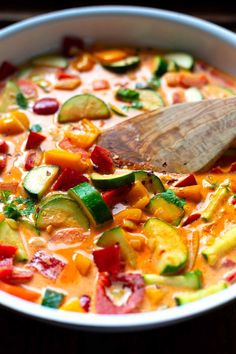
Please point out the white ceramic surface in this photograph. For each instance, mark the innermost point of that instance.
(120, 25)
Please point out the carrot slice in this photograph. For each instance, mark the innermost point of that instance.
(20, 292)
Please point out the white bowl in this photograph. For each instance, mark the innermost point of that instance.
(131, 26)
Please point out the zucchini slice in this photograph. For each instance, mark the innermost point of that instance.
(61, 212)
(150, 181)
(167, 207)
(160, 66)
(192, 94)
(191, 280)
(83, 106)
(114, 236)
(183, 60)
(150, 100)
(92, 203)
(39, 179)
(112, 181)
(8, 96)
(12, 237)
(52, 298)
(52, 196)
(170, 254)
(123, 65)
(185, 298)
(51, 60)
(117, 110)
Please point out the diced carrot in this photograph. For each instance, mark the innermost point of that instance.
(67, 159)
(193, 80)
(138, 196)
(9, 186)
(132, 214)
(191, 192)
(111, 55)
(84, 134)
(85, 62)
(233, 186)
(18, 291)
(100, 85)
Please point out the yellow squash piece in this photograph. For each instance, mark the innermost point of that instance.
(215, 202)
(67, 159)
(138, 196)
(73, 305)
(14, 123)
(84, 135)
(82, 263)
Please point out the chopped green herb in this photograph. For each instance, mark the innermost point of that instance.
(127, 95)
(171, 197)
(4, 196)
(21, 100)
(11, 211)
(11, 208)
(134, 105)
(36, 128)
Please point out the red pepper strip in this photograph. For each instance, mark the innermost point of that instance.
(34, 140)
(28, 88)
(6, 268)
(3, 147)
(7, 251)
(102, 159)
(108, 259)
(68, 179)
(85, 301)
(67, 145)
(188, 180)
(3, 161)
(23, 293)
(63, 75)
(71, 46)
(191, 218)
(115, 196)
(134, 282)
(19, 276)
(7, 69)
(47, 264)
(230, 276)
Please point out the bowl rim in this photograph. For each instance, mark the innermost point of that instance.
(135, 321)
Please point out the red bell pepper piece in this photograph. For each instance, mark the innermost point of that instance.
(47, 264)
(115, 196)
(7, 69)
(7, 251)
(228, 262)
(191, 218)
(71, 46)
(3, 147)
(6, 268)
(63, 75)
(230, 277)
(34, 140)
(85, 301)
(3, 161)
(68, 179)
(30, 160)
(133, 281)
(216, 169)
(28, 88)
(188, 180)
(19, 276)
(108, 259)
(100, 85)
(102, 160)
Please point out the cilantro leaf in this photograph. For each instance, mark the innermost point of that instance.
(11, 211)
(36, 128)
(171, 197)
(127, 95)
(21, 100)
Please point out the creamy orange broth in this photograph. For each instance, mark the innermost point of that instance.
(70, 280)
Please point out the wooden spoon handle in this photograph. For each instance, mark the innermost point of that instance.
(182, 138)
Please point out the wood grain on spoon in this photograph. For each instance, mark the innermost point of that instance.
(182, 138)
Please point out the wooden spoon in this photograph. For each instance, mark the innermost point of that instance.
(183, 138)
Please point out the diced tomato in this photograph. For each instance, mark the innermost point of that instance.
(34, 140)
(71, 45)
(28, 88)
(68, 179)
(66, 144)
(108, 259)
(191, 218)
(178, 97)
(102, 160)
(188, 180)
(33, 159)
(19, 276)
(233, 167)
(100, 85)
(115, 196)
(228, 262)
(61, 75)
(234, 201)
(47, 264)
(193, 80)
(3, 161)
(85, 301)
(68, 236)
(133, 281)
(3, 147)
(230, 276)
(7, 251)
(7, 69)
(46, 106)
(6, 268)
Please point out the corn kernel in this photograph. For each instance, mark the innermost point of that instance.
(72, 305)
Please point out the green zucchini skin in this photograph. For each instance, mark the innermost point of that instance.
(52, 196)
(182, 60)
(39, 179)
(52, 298)
(105, 182)
(150, 181)
(61, 212)
(191, 280)
(50, 60)
(83, 106)
(167, 239)
(124, 65)
(12, 237)
(185, 298)
(92, 203)
(150, 99)
(8, 96)
(160, 66)
(117, 235)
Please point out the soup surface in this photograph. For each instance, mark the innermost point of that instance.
(76, 232)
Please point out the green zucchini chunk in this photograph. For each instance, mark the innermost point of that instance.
(83, 106)
(112, 181)
(12, 237)
(52, 196)
(92, 203)
(160, 66)
(61, 212)
(170, 254)
(191, 280)
(51, 60)
(8, 96)
(124, 65)
(150, 181)
(150, 99)
(52, 298)
(39, 179)
(185, 298)
(114, 236)
(183, 60)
